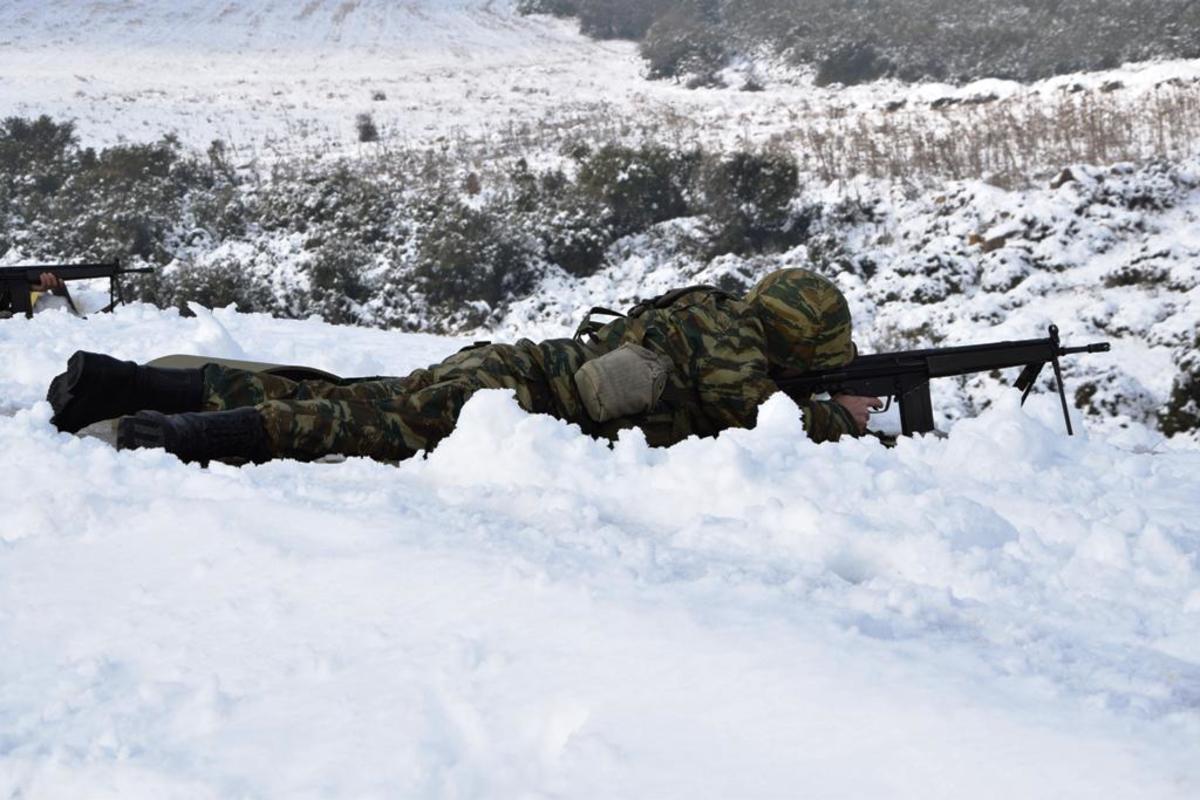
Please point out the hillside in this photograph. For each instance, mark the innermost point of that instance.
(859, 42)
(526, 612)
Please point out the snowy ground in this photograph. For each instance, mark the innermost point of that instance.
(528, 613)
(278, 79)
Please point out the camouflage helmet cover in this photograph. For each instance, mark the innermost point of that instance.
(806, 320)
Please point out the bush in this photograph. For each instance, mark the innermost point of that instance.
(575, 238)
(638, 187)
(556, 8)
(619, 19)
(685, 41)
(336, 285)
(468, 257)
(852, 63)
(1182, 412)
(748, 197)
(365, 125)
(851, 41)
(128, 201)
(338, 200)
(214, 285)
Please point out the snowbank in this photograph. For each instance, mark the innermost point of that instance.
(529, 613)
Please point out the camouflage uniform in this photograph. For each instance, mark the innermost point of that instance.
(722, 350)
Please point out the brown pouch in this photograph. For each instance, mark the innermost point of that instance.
(628, 380)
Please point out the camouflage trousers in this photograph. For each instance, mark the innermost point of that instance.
(392, 419)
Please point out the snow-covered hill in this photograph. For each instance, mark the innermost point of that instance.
(527, 613)
(285, 79)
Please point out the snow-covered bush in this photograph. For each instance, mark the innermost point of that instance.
(468, 264)
(686, 41)
(336, 284)
(1182, 411)
(852, 42)
(215, 283)
(747, 199)
(368, 131)
(127, 201)
(853, 62)
(640, 186)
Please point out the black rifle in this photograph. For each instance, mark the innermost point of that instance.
(904, 376)
(16, 282)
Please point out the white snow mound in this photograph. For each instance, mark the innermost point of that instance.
(530, 613)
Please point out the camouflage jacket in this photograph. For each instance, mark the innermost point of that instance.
(718, 346)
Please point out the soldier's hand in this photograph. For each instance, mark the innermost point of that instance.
(859, 408)
(49, 282)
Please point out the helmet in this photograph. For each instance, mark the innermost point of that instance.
(806, 320)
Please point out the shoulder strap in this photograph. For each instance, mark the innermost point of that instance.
(667, 299)
(589, 326)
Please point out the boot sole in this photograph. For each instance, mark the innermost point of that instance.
(62, 395)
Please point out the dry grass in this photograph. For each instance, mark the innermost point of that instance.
(1007, 142)
(1012, 142)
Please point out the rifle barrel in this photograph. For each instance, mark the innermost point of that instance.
(939, 362)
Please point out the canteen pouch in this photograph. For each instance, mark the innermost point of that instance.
(625, 381)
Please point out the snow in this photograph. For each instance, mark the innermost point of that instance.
(276, 80)
(530, 613)
(1005, 612)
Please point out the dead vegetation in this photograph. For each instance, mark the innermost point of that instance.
(1008, 142)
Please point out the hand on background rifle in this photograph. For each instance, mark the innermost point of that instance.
(49, 282)
(859, 408)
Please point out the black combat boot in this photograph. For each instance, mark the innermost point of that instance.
(97, 387)
(236, 434)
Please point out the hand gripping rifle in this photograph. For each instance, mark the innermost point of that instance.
(904, 376)
(16, 282)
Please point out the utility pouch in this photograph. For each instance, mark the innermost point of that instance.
(628, 380)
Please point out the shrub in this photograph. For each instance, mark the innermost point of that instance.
(128, 201)
(339, 200)
(685, 41)
(859, 40)
(638, 187)
(618, 19)
(1182, 411)
(853, 63)
(575, 238)
(214, 285)
(747, 198)
(38, 143)
(557, 8)
(336, 284)
(365, 125)
(467, 256)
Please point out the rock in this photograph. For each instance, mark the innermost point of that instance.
(996, 242)
(992, 244)
(1112, 86)
(1063, 178)
(981, 99)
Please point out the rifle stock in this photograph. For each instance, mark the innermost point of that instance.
(904, 376)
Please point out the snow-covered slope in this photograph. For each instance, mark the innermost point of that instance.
(292, 76)
(1005, 613)
(277, 79)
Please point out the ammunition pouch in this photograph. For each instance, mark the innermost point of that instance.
(628, 380)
